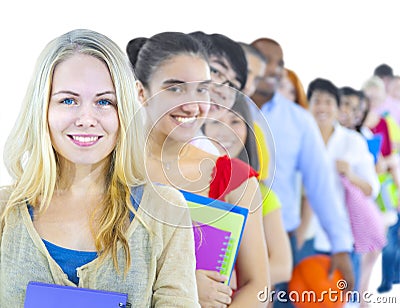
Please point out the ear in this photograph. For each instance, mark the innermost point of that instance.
(141, 93)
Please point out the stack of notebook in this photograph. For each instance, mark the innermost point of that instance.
(218, 227)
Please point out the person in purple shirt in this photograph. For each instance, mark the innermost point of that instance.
(300, 149)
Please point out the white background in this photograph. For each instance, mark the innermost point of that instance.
(342, 40)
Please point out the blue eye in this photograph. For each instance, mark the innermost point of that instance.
(104, 102)
(68, 101)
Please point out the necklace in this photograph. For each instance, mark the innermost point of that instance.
(167, 164)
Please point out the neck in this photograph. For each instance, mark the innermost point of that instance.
(82, 179)
(166, 150)
(261, 98)
(326, 132)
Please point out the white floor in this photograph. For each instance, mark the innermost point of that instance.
(389, 299)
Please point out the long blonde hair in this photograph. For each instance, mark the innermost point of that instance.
(32, 161)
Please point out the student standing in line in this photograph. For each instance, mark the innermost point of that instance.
(175, 86)
(355, 177)
(300, 148)
(76, 155)
(235, 135)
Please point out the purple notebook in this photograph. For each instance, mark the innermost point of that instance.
(43, 295)
(211, 247)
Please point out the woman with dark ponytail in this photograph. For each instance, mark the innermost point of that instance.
(174, 83)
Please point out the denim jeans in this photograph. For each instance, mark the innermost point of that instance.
(284, 286)
(305, 251)
(391, 255)
(308, 250)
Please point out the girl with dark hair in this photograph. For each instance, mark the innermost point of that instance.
(174, 77)
(224, 54)
(235, 134)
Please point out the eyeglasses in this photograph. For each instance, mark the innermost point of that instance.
(221, 78)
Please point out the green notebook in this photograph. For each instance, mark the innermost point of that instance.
(220, 215)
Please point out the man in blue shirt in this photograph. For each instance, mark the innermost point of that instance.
(300, 149)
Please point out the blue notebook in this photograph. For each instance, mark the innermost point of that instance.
(374, 146)
(221, 225)
(44, 295)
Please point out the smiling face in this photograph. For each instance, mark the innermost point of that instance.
(82, 114)
(177, 98)
(323, 107)
(349, 107)
(275, 68)
(229, 131)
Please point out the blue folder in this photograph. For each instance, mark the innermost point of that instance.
(223, 216)
(43, 295)
(374, 146)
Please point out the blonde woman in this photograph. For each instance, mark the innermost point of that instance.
(75, 155)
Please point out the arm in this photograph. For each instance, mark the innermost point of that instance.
(4, 196)
(306, 218)
(343, 167)
(361, 171)
(279, 251)
(252, 267)
(175, 284)
(392, 163)
(318, 179)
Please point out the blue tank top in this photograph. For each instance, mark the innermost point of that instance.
(68, 259)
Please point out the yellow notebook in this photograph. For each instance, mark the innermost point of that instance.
(209, 216)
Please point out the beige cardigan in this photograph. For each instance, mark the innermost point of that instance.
(162, 272)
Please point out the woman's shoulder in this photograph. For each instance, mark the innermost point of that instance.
(236, 166)
(164, 193)
(165, 204)
(354, 137)
(194, 153)
(5, 193)
(228, 175)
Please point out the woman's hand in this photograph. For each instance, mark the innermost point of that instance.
(212, 292)
(343, 167)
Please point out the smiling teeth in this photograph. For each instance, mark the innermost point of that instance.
(85, 139)
(185, 120)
